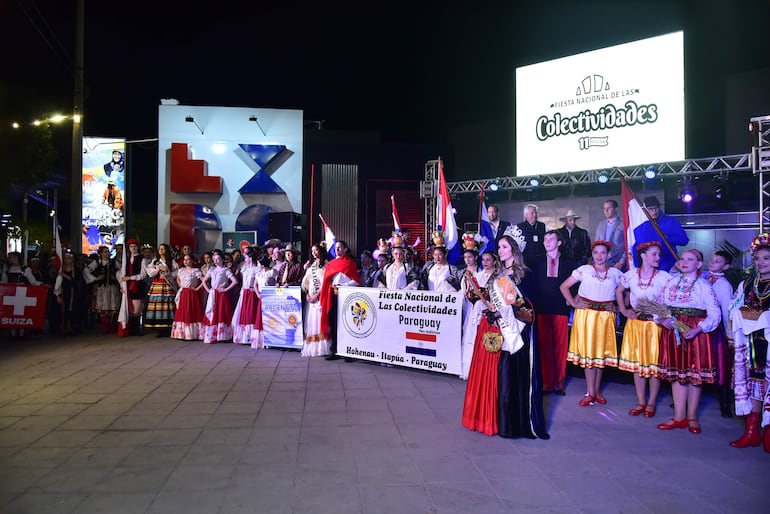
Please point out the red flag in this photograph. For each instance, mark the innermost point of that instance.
(396, 222)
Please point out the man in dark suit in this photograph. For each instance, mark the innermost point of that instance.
(575, 241)
(534, 232)
(498, 225)
(611, 229)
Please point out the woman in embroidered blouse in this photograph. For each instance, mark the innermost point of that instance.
(641, 335)
(398, 274)
(686, 359)
(475, 287)
(750, 323)
(217, 322)
(315, 345)
(189, 310)
(592, 343)
(247, 317)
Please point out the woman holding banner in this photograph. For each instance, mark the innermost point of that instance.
(340, 271)
(398, 274)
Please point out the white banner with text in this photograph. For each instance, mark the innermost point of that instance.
(416, 329)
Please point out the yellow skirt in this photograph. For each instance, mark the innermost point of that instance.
(641, 347)
(592, 342)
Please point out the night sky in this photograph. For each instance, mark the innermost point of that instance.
(411, 70)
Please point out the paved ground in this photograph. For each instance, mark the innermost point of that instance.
(101, 424)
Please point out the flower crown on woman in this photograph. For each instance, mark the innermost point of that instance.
(761, 241)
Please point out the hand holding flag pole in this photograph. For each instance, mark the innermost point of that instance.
(649, 218)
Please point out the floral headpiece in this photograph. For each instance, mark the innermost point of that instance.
(398, 240)
(603, 243)
(438, 239)
(470, 242)
(642, 247)
(761, 241)
(383, 246)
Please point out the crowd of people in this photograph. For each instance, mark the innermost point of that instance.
(536, 299)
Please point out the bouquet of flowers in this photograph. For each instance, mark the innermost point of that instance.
(651, 309)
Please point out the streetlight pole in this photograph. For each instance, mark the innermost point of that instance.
(76, 184)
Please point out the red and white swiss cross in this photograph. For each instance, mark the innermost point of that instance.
(22, 306)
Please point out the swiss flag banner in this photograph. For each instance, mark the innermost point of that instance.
(22, 306)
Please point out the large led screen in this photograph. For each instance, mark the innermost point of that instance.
(104, 189)
(616, 106)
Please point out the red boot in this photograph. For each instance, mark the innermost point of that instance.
(766, 439)
(106, 323)
(751, 437)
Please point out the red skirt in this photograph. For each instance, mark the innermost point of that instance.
(251, 310)
(692, 362)
(190, 308)
(223, 310)
(480, 407)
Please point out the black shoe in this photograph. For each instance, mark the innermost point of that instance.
(559, 392)
(332, 357)
(348, 359)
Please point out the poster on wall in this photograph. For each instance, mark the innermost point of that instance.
(104, 186)
(282, 317)
(238, 240)
(616, 106)
(416, 329)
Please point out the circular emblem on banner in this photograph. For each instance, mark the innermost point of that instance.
(359, 315)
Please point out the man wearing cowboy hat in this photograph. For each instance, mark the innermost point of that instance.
(576, 244)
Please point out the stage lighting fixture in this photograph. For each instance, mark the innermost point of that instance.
(534, 182)
(602, 177)
(256, 120)
(650, 172)
(688, 193)
(494, 185)
(191, 119)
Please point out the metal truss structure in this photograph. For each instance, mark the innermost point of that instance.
(691, 167)
(760, 165)
(758, 162)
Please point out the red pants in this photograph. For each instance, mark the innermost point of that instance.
(553, 340)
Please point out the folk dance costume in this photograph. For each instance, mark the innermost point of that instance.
(161, 304)
(399, 276)
(316, 345)
(340, 271)
(189, 309)
(503, 395)
(475, 287)
(247, 317)
(552, 331)
(106, 294)
(592, 343)
(689, 361)
(723, 358)
(641, 337)
(750, 317)
(441, 277)
(218, 316)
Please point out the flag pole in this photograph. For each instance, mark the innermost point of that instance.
(650, 218)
